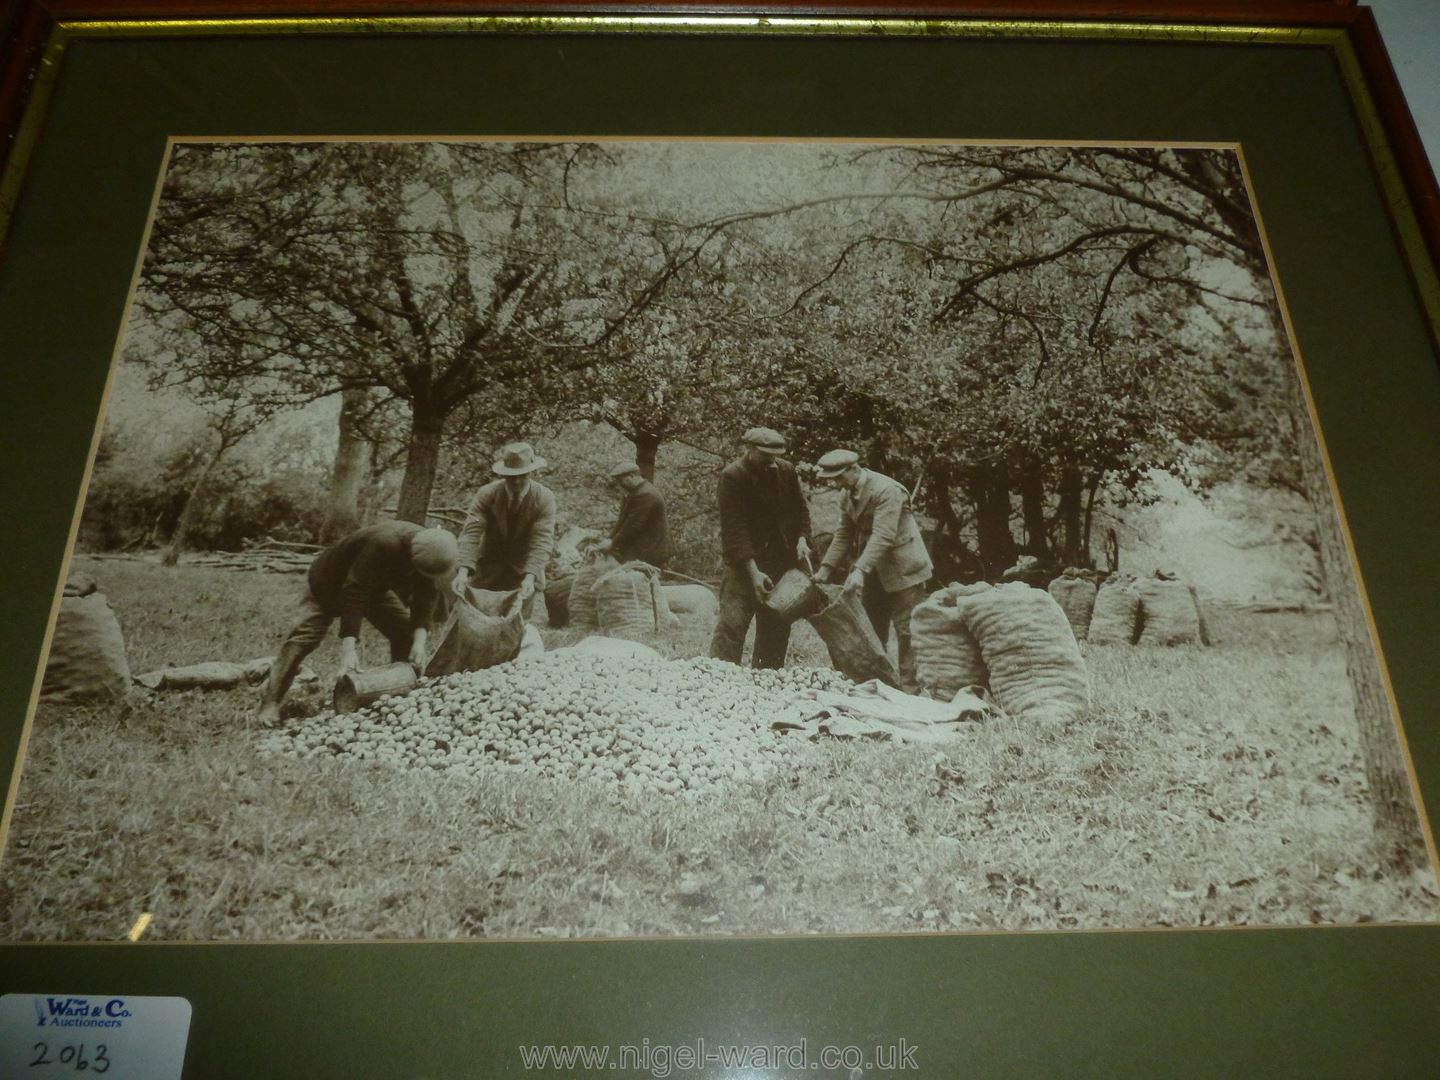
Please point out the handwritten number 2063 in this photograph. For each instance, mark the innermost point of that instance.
(73, 1056)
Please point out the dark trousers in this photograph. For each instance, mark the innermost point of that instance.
(893, 609)
(387, 613)
(738, 605)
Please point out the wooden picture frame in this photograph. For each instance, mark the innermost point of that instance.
(91, 90)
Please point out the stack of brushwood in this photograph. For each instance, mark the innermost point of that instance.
(276, 556)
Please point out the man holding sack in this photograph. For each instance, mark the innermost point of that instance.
(879, 539)
(509, 532)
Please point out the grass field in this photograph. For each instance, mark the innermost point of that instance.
(1208, 787)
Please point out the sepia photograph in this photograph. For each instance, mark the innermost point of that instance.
(628, 539)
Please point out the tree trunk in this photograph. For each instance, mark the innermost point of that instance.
(946, 546)
(352, 454)
(646, 448)
(991, 496)
(1073, 545)
(1032, 510)
(422, 458)
(1091, 489)
(180, 536)
(1397, 827)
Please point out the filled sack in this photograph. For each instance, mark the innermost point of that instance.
(557, 601)
(692, 600)
(470, 639)
(855, 649)
(1115, 618)
(87, 661)
(1075, 593)
(1168, 614)
(630, 603)
(581, 606)
(1036, 671)
(947, 656)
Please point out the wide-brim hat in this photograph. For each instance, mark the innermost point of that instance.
(625, 468)
(836, 462)
(766, 439)
(517, 459)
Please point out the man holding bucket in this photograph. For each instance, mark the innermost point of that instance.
(509, 532)
(387, 574)
(879, 538)
(764, 528)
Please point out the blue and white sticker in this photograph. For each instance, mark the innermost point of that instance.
(110, 1035)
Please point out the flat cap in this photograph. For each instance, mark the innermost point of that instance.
(434, 552)
(764, 438)
(836, 462)
(625, 468)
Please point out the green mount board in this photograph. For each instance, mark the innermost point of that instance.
(1305, 1002)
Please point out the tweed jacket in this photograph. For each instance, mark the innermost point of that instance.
(501, 543)
(877, 532)
(763, 514)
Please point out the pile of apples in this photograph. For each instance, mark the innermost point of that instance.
(666, 726)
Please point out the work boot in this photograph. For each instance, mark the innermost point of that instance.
(282, 673)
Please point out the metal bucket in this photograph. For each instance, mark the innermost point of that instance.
(795, 596)
(356, 689)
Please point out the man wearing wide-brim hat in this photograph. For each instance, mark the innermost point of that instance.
(764, 531)
(509, 531)
(879, 539)
(641, 533)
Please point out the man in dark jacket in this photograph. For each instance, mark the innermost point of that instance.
(764, 531)
(387, 574)
(640, 533)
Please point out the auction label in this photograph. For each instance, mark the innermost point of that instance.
(109, 1035)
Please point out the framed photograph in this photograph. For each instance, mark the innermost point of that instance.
(826, 541)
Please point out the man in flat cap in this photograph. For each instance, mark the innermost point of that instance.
(879, 539)
(386, 574)
(509, 531)
(764, 531)
(640, 532)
